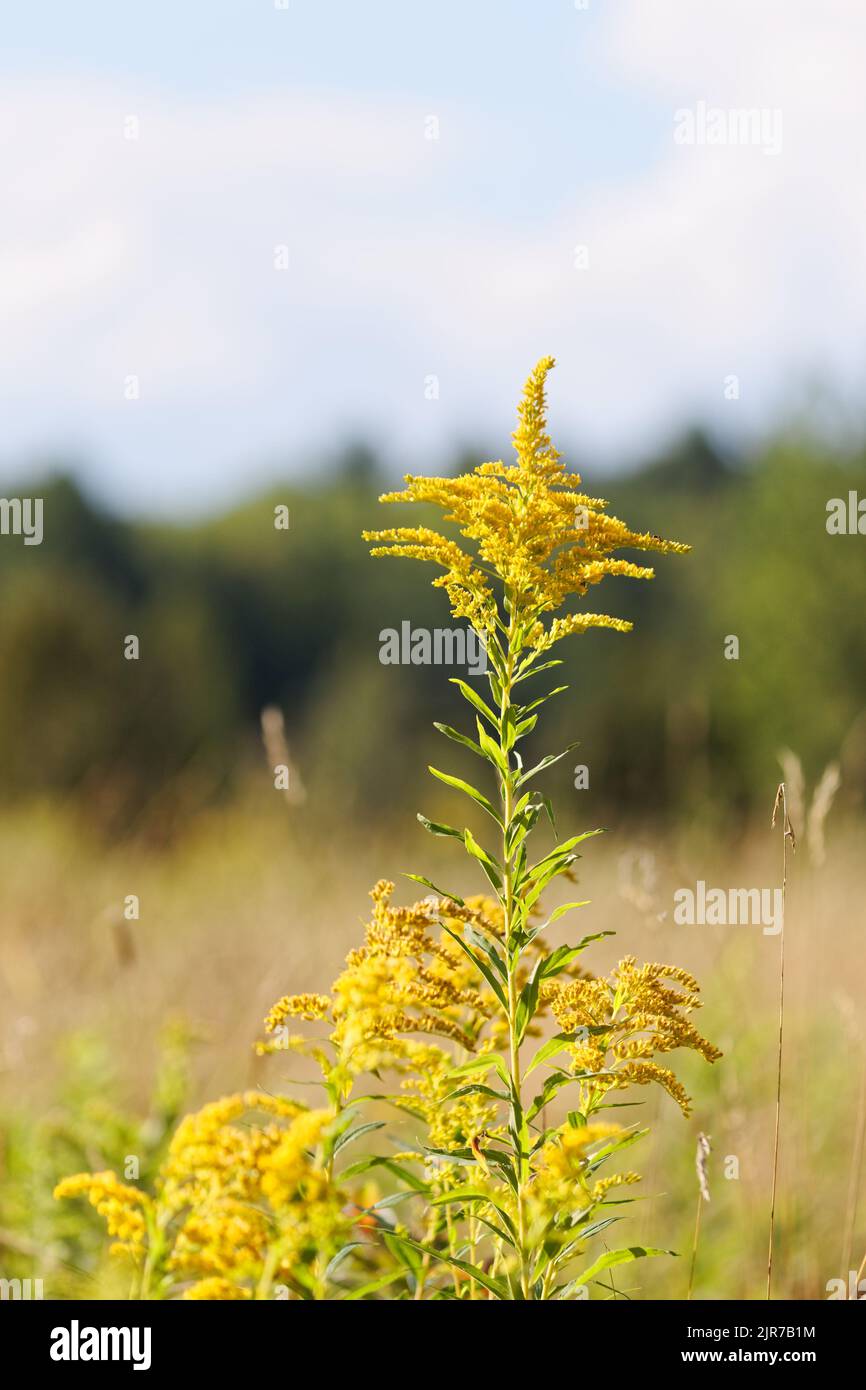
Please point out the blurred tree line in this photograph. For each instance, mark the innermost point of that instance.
(234, 615)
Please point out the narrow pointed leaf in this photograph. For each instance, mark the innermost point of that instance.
(459, 785)
(458, 738)
(495, 1286)
(546, 762)
(619, 1257)
(436, 828)
(481, 966)
(440, 892)
(476, 701)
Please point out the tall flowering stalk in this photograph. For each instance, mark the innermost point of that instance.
(535, 541)
(485, 1198)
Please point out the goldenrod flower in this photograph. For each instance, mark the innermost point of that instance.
(634, 1014)
(307, 1006)
(124, 1209)
(531, 529)
(441, 996)
(215, 1288)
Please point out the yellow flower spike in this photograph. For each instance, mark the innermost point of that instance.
(307, 1006)
(531, 529)
(124, 1209)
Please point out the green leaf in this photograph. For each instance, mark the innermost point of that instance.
(494, 1286)
(436, 828)
(459, 738)
(542, 699)
(546, 762)
(393, 1199)
(382, 1282)
(615, 1146)
(481, 1064)
(527, 669)
(619, 1257)
(477, 1088)
(408, 1257)
(552, 1084)
(494, 1156)
(459, 785)
(554, 1045)
(518, 829)
(397, 1170)
(349, 1135)
(549, 868)
(481, 966)
(556, 962)
(340, 1256)
(480, 942)
(527, 1004)
(491, 867)
(497, 1230)
(491, 750)
(560, 852)
(587, 1232)
(440, 892)
(523, 728)
(560, 912)
(476, 701)
(561, 1040)
(472, 1194)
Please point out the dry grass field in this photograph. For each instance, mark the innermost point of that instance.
(246, 907)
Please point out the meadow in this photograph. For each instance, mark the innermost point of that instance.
(161, 888)
(120, 1026)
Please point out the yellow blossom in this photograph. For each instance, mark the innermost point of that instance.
(531, 529)
(307, 1006)
(215, 1288)
(124, 1209)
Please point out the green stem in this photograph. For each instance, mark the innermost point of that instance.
(512, 960)
(269, 1269)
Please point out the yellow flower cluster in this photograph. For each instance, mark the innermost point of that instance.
(562, 1184)
(235, 1196)
(453, 1122)
(124, 1209)
(244, 1188)
(307, 1006)
(531, 529)
(403, 980)
(640, 1015)
(563, 1158)
(217, 1290)
(409, 978)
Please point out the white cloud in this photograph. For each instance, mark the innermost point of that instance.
(155, 257)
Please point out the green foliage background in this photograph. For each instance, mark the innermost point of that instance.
(234, 615)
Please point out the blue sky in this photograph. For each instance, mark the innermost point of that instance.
(555, 212)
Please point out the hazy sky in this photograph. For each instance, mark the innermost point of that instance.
(407, 257)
